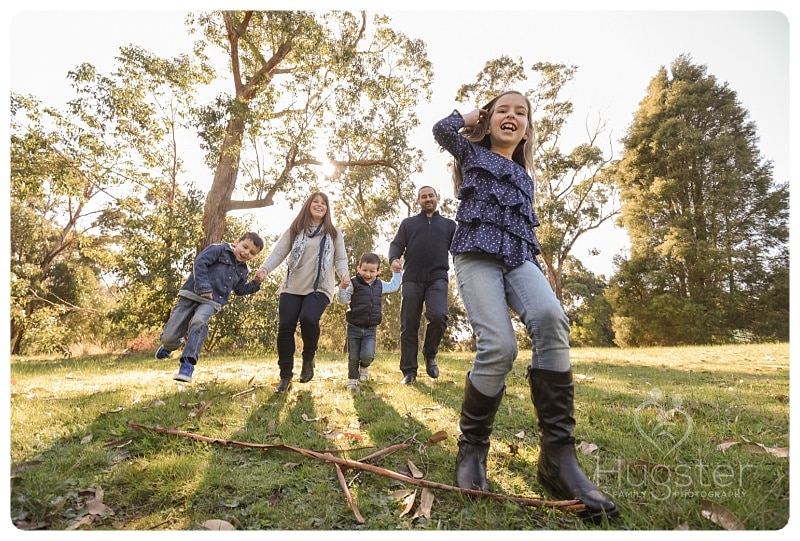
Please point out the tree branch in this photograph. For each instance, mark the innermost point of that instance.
(563, 505)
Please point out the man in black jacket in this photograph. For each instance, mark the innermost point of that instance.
(424, 243)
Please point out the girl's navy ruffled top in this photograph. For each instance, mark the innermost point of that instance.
(495, 214)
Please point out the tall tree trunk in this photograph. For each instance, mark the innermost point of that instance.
(219, 195)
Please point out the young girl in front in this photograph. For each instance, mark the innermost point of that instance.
(494, 254)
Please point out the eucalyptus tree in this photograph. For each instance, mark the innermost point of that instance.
(574, 193)
(62, 168)
(707, 223)
(309, 88)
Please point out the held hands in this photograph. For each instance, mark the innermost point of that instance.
(396, 266)
(261, 274)
(345, 282)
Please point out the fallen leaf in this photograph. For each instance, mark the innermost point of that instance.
(513, 448)
(425, 504)
(354, 436)
(431, 408)
(307, 419)
(415, 473)
(409, 502)
(724, 446)
(401, 493)
(217, 524)
(586, 448)
(86, 439)
(83, 521)
(719, 515)
(520, 434)
(437, 437)
(780, 452)
(94, 505)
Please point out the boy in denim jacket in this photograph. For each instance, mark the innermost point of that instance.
(219, 270)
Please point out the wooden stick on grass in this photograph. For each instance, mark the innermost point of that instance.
(563, 505)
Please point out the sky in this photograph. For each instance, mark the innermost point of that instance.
(617, 46)
(617, 51)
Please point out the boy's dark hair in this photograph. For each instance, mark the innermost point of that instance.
(369, 257)
(254, 238)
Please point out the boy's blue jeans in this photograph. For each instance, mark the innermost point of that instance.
(360, 348)
(488, 289)
(188, 319)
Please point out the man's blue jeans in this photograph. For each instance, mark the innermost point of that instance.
(360, 348)
(488, 289)
(189, 320)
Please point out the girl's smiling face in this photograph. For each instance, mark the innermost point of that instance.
(508, 124)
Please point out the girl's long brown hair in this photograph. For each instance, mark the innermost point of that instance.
(478, 134)
(303, 219)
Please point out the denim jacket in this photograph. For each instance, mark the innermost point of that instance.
(217, 271)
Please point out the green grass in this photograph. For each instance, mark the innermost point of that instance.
(656, 415)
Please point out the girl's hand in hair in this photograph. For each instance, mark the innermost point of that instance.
(475, 117)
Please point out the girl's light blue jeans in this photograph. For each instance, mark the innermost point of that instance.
(488, 289)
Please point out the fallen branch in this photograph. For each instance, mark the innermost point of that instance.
(563, 505)
(348, 496)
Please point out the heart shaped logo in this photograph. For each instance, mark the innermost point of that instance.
(665, 428)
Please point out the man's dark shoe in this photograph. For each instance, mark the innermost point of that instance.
(432, 368)
(409, 379)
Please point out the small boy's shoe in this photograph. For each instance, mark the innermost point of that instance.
(352, 385)
(185, 372)
(363, 373)
(163, 353)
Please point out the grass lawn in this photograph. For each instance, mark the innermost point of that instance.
(681, 438)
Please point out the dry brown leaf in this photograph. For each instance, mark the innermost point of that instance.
(425, 504)
(217, 524)
(719, 515)
(354, 436)
(401, 493)
(725, 445)
(780, 452)
(415, 473)
(431, 408)
(437, 437)
(83, 521)
(409, 502)
(586, 448)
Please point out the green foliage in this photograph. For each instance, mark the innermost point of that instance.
(311, 88)
(586, 306)
(707, 224)
(660, 417)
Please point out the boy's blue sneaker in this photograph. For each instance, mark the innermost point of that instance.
(185, 372)
(163, 353)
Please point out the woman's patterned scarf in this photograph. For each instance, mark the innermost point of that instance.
(324, 258)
